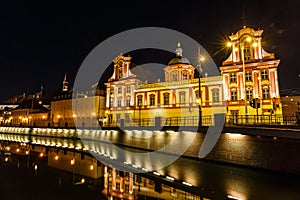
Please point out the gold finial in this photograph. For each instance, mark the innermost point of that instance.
(178, 44)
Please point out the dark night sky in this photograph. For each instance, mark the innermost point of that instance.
(40, 41)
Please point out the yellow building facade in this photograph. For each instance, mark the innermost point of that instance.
(173, 102)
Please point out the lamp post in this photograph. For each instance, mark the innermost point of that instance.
(200, 59)
(244, 79)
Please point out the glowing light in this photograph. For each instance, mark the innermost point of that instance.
(58, 116)
(233, 197)
(229, 44)
(27, 152)
(41, 154)
(6, 159)
(44, 116)
(73, 161)
(170, 178)
(255, 44)
(40, 102)
(248, 39)
(82, 180)
(56, 157)
(185, 183)
(92, 167)
(18, 150)
(156, 173)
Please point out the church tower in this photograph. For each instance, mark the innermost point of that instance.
(65, 84)
(250, 75)
(179, 68)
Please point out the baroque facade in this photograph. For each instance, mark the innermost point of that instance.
(250, 75)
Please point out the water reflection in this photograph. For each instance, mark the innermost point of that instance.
(186, 178)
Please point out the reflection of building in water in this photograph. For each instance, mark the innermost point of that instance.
(126, 185)
(127, 98)
(80, 167)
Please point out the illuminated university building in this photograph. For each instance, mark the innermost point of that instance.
(250, 73)
(128, 100)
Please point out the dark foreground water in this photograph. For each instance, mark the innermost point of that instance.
(20, 180)
(22, 183)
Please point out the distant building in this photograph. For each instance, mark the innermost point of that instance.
(30, 113)
(250, 73)
(62, 114)
(290, 105)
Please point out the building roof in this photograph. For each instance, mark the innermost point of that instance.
(33, 104)
(179, 59)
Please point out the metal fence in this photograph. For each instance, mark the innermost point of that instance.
(230, 120)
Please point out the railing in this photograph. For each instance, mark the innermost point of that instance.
(230, 120)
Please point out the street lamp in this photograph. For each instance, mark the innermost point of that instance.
(200, 59)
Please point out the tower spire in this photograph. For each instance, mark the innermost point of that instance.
(65, 84)
(178, 50)
(244, 17)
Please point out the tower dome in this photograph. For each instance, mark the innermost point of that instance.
(179, 59)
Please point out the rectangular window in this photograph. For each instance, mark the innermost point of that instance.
(120, 90)
(127, 102)
(184, 76)
(111, 91)
(264, 75)
(215, 95)
(152, 100)
(119, 103)
(249, 94)
(265, 94)
(139, 100)
(233, 95)
(166, 99)
(182, 98)
(128, 89)
(232, 78)
(248, 76)
(175, 76)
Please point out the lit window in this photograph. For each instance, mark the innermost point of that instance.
(118, 117)
(139, 100)
(265, 93)
(152, 100)
(166, 99)
(264, 75)
(215, 95)
(249, 94)
(111, 91)
(233, 95)
(232, 78)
